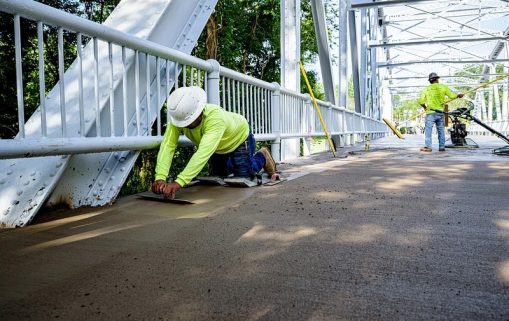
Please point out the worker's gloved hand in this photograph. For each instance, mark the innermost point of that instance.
(158, 186)
(170, 189)
(461, 95)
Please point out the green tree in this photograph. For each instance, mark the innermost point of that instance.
(406, 109)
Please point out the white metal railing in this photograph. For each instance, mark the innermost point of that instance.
(501, 126)
(123, 112)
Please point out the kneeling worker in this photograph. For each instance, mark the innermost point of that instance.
(223, 139)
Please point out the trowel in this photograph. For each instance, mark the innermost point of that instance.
(160, 198)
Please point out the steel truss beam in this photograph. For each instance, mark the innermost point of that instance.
(416, 62)
(354, 56)
(497, 49)
(322, 38)
(364, 4)
(426, 85)
(451, 20)
(438, 41)
(448, 76)
(394, 18)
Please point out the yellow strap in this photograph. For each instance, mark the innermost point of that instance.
(317, 109)
(481, 86)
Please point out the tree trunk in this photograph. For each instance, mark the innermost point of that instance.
(211, 41)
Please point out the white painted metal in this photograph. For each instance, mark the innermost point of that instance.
(490, 106)
(354, 57)
(437, 41)
(505, 96)
(419, 62)
(322, 37)
(290, 57)
(19, 78)
(373, 34)
(342, 52)
(359, 4)
(363, 60)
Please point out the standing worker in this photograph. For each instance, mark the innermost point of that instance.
(432, 100)
(223, 139)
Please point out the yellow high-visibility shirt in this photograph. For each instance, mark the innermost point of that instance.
(220, 132)
(434, 97)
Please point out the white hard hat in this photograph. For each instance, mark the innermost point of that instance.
(185, 105)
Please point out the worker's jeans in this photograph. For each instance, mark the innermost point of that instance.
(242, 162)
(431, 119)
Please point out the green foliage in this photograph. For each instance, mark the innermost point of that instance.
(405, 109)
(142, 175)
(248, 34)
(247, 37)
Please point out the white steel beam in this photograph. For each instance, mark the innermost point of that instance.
(354, 57)
(323, 48)
(363, 60)
(454, 21)
(343, 52)
(497, 49)
(416, 62)
(364, 4)
(446, 76)
(436, 41)
(290, 57)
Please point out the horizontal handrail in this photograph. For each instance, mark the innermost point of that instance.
(272, 118)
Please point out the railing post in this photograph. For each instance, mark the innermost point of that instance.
(213, 83)
(276, 122)
(307, 126)
(330, 125)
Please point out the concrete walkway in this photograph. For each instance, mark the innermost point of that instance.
(388, 234)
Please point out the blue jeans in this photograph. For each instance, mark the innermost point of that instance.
(431, 119)
(242, 162)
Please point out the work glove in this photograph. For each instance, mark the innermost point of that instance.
(170, 189)
(158, 186)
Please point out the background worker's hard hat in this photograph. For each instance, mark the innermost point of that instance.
(433, 76)
(185, 105)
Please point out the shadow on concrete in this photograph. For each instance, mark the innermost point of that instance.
(373, 237)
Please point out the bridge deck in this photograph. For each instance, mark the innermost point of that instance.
(389, 234)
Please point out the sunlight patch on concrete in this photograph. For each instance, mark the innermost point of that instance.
(400, 184)
(56, 223)
(499, 165)
(261, 314)
(362, 234)
(414, 237)
(503, 272)
(80, 237)
(504, 224)
(261, 233)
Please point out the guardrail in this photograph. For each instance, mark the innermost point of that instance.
(501, 126)
(111, 96)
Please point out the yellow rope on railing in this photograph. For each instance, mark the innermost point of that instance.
(479, 87)
(317, 109)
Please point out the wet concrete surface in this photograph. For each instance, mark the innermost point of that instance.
(388, 234)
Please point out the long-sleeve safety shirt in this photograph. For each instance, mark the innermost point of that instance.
(433, 97)
(219, 132)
